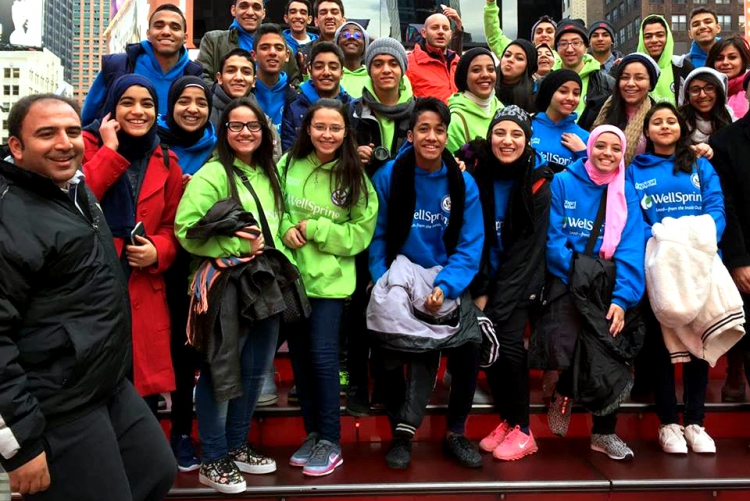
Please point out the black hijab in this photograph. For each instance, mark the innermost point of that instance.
(173, 134)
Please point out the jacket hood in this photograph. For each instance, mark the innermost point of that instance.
(590, 65)
(705, 70)
(665, 59)
(311, 94)
(405, 91)
(459, 102)
(578, 170)
(565, 123)
(649, 160)
(174, 72)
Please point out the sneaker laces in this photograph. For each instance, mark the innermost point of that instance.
(501, 429)
(514, 435)
(320, 451)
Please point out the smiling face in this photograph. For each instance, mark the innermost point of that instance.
(270, 54)
(664, 131)
(249, 14)
(166, 33)
(702, 95)
(729, 62)
(297, 17)
(51, 142)
(565, 100)
(329, 19)
(654, 38)
(545, 60)
(508, 141)
(327, 131)
(352, 41)
(437, 31)
(544, 33)
(606, 152)
(191, 109)
(325, 74)
(571, 49)
(513, 63)
(481, 77)
(135, 111)
(385, 73)
(634, 84)
(429, 137)
(704, 28)
(600, 41)
(244, 142)
(237, 76)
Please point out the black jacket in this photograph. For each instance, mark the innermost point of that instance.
(367, 131)
(64, 310)
(731, 153)
(601, 86)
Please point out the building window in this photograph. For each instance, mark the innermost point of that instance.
(722, 1)
(6, 72)
(630, 31)
(16, 73)
(679, 23)
(621, 8)
(6, 90)
(622, 36)
(741, 22)
(725, 22)
(14, 90)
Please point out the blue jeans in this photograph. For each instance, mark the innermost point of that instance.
(224, 426)
(313, 348)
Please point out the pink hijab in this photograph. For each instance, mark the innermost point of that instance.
(617, 206)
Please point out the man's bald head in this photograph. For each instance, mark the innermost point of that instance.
(437, 31)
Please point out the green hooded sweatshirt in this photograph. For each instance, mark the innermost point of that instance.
(590, 65)
(208, 186)
(353, 81)
(664, 90)
(334, 234)
(476, 120)
(387, 127)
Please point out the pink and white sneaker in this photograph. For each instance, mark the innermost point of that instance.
(495, 438)
(516, 445)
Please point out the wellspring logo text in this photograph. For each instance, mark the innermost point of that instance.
(310, 207)
(670, 198)
(578, 223)
(430, 217)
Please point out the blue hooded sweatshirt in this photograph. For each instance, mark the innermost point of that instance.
(697, 55)
(424, 245)
(664, 194)
(149, 67)
(546, 139)
(192, 158)
(273, 99)
(294, 44)
(575, 200)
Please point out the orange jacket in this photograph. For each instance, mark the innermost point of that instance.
(431, 74)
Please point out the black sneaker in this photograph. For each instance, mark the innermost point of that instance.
(358, 401)
(184, 451)
(398, 456)
(292, 397)
(462, 450)
(248, 460)
(223, 476)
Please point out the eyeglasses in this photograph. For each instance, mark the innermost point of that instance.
(352, 34)
(335, 129)
(709, 89)
(576, 44)
(253, 126)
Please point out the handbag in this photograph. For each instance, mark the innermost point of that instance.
(555, 332)
(297, 303)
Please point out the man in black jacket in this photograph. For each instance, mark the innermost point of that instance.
(71, 424)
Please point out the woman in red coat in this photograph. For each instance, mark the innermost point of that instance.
(138, 181)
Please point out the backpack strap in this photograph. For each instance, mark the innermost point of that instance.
(466, 126)
(591, 242)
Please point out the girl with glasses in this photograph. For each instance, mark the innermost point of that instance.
(705, 110)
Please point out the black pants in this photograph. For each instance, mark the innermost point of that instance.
(355, 349)
(409, 379)
(116, 452)
(602, 425)
(508, 377)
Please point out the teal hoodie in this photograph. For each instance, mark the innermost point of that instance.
(468, 120)
(334, 234)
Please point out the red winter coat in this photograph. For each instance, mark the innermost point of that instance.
(431, 74)
(156, 206)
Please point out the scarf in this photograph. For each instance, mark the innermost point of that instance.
(617, 206)
(484, 104)
(703, 130)
(173, 134)
(735, 85)
(633, 130)
(245, 37)
(403, 201)
(396, 112)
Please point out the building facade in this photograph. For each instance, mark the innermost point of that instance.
(589, 11)
(89, 45)
(58, 31)
(626, 17)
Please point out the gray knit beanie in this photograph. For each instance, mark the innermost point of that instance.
(389, 46)
(356, 25)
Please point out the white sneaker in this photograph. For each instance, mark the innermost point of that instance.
(672, 439)
(698, 440)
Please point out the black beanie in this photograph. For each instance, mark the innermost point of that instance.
(514, 114)
(572, 26)
(551, 83)
(462, 68)
(531, 54)
(652, 67)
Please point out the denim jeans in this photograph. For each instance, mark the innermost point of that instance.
(314, 351)
(224, 426)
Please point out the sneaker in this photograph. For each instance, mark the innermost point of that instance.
(250, 461)
(698, 440)
(398, 456)
(558, 415)
(516, 445)
(300, 457)
(733, 391)
(462, 450)
(612, 446)
(324, 458)
(268, 393)
(183, 448)
(292, 397)
(496, 436)
(343, 381)
(357, 401)
(223, 476)
(672, 439)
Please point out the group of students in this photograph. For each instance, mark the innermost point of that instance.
(546, 189)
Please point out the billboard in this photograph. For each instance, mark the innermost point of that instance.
(21, 22)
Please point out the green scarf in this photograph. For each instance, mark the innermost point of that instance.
(664, 90)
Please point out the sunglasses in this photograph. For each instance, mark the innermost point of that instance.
(352, 34)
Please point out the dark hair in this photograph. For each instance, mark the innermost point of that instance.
(265, 29)
(348, 172)
(171, 8)
(262, 157)
(617, 114)
(21, 109)
(521, 93)
(719, 115)
(326, 47)
(701, 10)
(426, 104)
(684, 157)
(654, 20)
(737, 42)
(290, 2)
(317, 3)
(236, 52)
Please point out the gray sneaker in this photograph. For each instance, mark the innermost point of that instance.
(612, 446)
(324, 458)
(558, 414)
(300, 457)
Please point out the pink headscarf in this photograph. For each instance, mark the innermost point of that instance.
(617, 206)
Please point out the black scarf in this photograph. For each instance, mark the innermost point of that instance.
(403, 201)
(396, 112)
